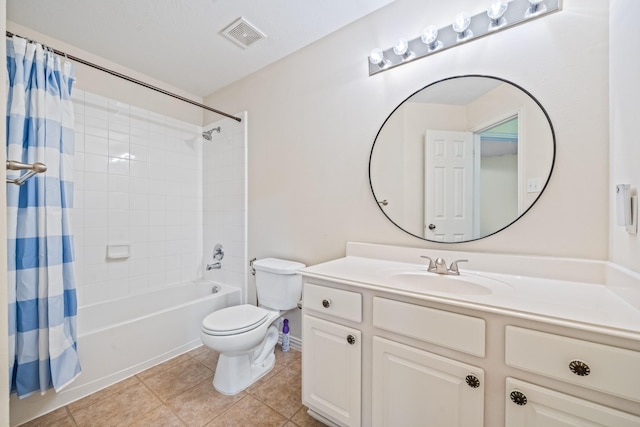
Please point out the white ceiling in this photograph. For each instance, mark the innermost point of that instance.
(179, 41)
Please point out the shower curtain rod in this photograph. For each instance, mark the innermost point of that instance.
(132, 80)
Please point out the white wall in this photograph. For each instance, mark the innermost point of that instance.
(138, 181)
(103, 84)
(224, 192)
(316, 112)
(315, 115)
(498, 192)
(534, 141)
(624, 86)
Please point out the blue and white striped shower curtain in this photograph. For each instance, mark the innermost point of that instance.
(41, 288)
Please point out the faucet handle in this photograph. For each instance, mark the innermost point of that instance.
(431, 265)
(454, 266)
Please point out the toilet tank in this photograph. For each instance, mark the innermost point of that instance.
(278, 284)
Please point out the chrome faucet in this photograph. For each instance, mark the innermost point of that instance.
(440, 266)
(214, 266)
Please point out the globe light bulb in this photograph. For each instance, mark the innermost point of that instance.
(496, 14)
(430, 38)
(536, 7)
(401, 48)
(376, 57)
(461, 24)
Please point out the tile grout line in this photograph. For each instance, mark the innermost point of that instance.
(162, 402)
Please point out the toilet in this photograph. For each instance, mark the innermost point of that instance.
(245, 335)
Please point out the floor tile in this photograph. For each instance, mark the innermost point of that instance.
(58, 418)
(207, 357)
(249, 412)
(302, 419)
(119, 409)
(98, 396)
(291, 356)
(198, 350)
(253, 388)
(178, 379)
(179, 393)
(163, 367)
(201, 404)
(282, 392)
(160, 417)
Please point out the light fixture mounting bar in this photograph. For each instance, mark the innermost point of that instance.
(480, 26)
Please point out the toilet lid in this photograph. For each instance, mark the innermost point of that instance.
(234, 320)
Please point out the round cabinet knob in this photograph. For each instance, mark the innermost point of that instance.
(351, 339)
(432, 226)
(518, 398)
(326, 303)
(472, 381)
(579, 368)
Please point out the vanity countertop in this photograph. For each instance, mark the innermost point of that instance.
(578, 304)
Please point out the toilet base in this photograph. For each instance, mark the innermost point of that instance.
(235, 372)
(233, 375)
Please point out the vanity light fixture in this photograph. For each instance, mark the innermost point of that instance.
(460, 25)
(430, 38)
(499, 15)
(376, 57)
(496, 13)
(401, 48)
(536, 7)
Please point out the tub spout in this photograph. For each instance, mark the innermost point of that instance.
(214, 266)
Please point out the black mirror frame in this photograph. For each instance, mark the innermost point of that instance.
(553, 157)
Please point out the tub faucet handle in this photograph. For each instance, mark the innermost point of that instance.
(218, 252)
(454, 266)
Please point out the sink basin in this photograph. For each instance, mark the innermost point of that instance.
(465, 283)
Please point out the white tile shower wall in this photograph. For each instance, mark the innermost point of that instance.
(225, 200)
(138, 180)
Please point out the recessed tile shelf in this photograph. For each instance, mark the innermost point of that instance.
(516, 14)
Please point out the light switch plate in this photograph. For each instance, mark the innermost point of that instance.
(534, 185)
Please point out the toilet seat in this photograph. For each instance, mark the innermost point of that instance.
(234, 320)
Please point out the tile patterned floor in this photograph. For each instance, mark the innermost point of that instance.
(179, 393)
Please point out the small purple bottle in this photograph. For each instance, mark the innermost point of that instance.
(285, 335)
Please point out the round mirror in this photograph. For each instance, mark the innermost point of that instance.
(462, 158)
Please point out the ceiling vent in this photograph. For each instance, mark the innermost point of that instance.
(242, 33)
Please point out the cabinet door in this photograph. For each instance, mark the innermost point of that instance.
(331, 370)
(412, 387)
(528, 405)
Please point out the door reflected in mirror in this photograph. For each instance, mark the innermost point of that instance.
(462, 159)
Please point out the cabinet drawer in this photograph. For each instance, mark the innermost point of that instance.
(533, 406)
(451, 330)
(600, 367)
(335, 302)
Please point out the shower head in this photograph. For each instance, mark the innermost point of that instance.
(207, 134)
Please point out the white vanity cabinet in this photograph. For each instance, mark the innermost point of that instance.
(412, 387)
(332, 354)
(530, 352)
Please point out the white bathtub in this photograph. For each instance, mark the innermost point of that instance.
(120, 338)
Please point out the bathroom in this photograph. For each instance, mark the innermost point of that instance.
(315, 114)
